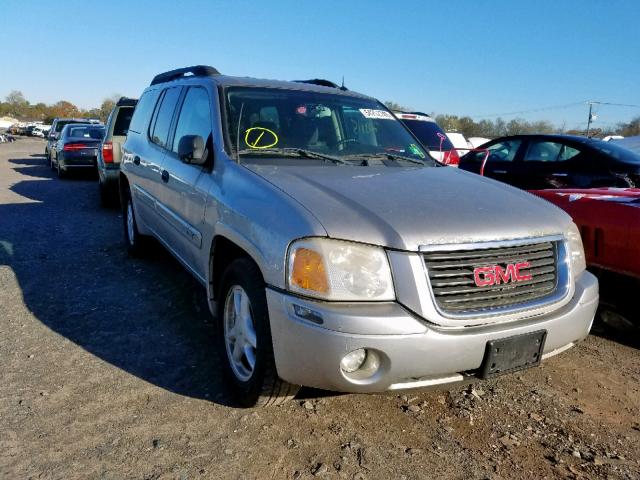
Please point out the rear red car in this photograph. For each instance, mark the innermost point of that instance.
(609, 222)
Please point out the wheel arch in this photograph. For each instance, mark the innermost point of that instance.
(225, 248)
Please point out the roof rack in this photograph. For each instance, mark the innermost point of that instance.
(323, 83)
(196, 71)
(126, 102)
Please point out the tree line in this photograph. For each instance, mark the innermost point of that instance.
(17, 106)
(500, 127)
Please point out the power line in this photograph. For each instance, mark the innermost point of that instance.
(533, 110)
(555, 107)
(616, 104)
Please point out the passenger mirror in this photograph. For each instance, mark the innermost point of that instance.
(191, 149)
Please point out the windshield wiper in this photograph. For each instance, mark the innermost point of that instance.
(293, 152)
(388, 156)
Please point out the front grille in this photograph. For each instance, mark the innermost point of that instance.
(451, 274)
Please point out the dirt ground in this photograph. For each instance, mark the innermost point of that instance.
(108, 370)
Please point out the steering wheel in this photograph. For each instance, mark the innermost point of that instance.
(344, 141)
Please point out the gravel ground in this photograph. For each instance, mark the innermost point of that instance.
(108, 370)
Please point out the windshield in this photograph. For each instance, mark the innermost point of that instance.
(430, 134)
(616, 151)
(269, 122)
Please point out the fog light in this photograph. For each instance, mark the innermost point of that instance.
(353, 361)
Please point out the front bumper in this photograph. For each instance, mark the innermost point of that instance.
(412, 351)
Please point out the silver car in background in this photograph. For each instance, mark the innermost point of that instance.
(335, 252)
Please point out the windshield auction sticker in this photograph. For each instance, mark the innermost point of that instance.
(377, 114)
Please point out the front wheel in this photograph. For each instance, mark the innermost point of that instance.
(243, 322)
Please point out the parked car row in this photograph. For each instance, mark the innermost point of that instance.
(313, 216)
(56, 130)
(30, 129)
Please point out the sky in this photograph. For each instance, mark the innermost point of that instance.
(468, 57)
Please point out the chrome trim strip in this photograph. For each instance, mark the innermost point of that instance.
(563, 280)
(426, 382)
(492, 244)
(557, 350)
(193, 235)
(144, 196)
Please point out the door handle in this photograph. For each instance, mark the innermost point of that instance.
(136, 160)
(499, 171)
(165, 176)
(559, 174)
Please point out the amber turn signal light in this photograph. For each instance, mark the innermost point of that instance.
(308, 271)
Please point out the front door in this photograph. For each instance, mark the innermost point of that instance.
(185, 185)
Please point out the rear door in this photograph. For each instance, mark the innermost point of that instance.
(185, 185)
(142, 158)
(553, 164)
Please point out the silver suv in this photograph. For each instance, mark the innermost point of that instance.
(336, 253)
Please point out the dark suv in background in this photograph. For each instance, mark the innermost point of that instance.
(427, 130)
(110, 153)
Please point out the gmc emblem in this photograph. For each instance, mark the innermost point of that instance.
(494, 275)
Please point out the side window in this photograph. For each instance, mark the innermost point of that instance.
(499, 152)
(567, 153)
(195, 116)
(160, 134)
(540, 151)
(143, 111)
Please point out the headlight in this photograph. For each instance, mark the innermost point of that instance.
(339, 270)
(576, 250)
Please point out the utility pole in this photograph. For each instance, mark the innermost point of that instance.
(591, 116)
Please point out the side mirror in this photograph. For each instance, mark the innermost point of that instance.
(191, 149)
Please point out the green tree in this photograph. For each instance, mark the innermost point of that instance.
(630, 129)
(396, 106)
(16, 104)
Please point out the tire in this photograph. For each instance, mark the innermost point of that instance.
(134, 241)
(61, 173)
(256, 385)
(107, 195)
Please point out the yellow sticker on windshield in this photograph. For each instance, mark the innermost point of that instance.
(260, 137)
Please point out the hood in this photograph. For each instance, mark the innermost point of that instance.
(405, 208)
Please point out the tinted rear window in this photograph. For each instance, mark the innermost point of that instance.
(122, 121)
(61, 123)
(616, 151)
(427, 133)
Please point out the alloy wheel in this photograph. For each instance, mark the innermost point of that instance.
(239, 333)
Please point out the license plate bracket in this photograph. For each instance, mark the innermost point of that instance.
(506, 355)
